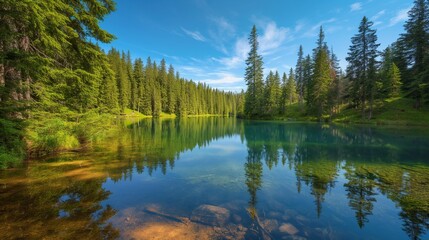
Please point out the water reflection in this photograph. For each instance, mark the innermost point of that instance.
(359, 165)
(371, 161)
(48, 200)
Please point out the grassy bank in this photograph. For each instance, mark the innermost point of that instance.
(393, 111)
(50, 134)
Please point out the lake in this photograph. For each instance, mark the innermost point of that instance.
(225, 178)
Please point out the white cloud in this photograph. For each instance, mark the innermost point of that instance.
(221, 33)
(400, 16)
(272, 38)
(194, 34)
(299, 26)
(241, 49)
(222, 78)
(377, 23)
(378, 15)
(314, 30)
(356, 6)
(192, 70)
(224, 25)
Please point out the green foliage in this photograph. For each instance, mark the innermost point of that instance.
(272, 94)
(413, 46)
(11, 144)
(254, 78)
(319, 87)
(51, 133)
(362, 66)
(392, 82)
(291, 89)
(299, 74)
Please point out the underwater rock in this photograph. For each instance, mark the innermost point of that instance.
(270, 224)
(236, 218)
(288, 228)
(210, 215)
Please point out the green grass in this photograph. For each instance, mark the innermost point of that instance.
(392, 111)
(206, 115)
(12, 147)
(167, 115)
(50, 133)
(134, 114)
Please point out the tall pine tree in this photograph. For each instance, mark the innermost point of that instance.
(254, 78)
(361, 70)
(415, 42)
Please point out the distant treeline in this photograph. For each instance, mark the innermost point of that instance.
(152, 88)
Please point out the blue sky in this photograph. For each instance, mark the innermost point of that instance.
(206, 40)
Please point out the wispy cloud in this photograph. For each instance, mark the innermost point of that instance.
(241, 49)
(378, 15)
(224, 78)
(314, 30)
(273, 37)
(299, 26)
(224, 25)
(194, 34)
(400, 16)
(221, 33)
(356, 6)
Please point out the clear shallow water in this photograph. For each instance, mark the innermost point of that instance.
(211, 178)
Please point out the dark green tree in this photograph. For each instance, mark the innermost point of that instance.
(415, 43)
(254, 78)
(272, 94)
(362, 67)
(299, 75)
(291, 94)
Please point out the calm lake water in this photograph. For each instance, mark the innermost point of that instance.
(223, 178)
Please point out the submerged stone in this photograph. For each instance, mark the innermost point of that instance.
(270, 224)
(288, 228)
(210, 215)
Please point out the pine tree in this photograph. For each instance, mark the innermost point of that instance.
(318, 88)
(363, 65)
(254, 78)
(392, 86)
(131, 81)
(291, 95)
(416, 49)
(108, 91)
(321, 81)
(272, 94)
(335, 88)
(162, 83)
(284, 95)
(307, 77)
(138, 75)
(124, 85)
(149, 85)
(171, 91)
(156, 92)
(299, 74)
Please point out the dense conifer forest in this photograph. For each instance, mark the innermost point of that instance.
(320, 89)
(60, 90)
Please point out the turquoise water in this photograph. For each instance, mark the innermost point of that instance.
(273, 180)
